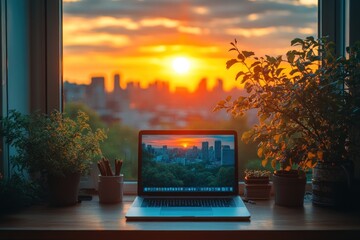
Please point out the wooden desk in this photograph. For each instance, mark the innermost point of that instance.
(91, 220)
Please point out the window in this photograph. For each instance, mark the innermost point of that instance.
(15, 19)
(161, 64)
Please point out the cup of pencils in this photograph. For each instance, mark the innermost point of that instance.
(110, 182)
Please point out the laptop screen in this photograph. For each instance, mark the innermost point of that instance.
(188, 162)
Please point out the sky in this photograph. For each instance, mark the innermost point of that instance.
(140, 39)
(187, 141)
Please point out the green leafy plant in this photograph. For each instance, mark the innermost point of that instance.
(17, 193)
(53, 144)
(308, 103)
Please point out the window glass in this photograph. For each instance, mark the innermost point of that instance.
(160, 64)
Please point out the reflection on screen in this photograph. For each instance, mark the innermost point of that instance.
(188, 163)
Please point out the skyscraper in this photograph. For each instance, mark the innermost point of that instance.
(218, 150)
(227, 155)
(97, 99)
(205, 151)
(117, 89)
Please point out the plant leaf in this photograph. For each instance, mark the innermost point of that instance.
(230, 63)
(247, 53)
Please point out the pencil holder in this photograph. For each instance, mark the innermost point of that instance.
(111, 188)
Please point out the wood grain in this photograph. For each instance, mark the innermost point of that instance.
(91, 220)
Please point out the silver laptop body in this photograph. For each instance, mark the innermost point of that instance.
(188, 175)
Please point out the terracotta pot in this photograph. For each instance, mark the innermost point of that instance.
(63, 190)
(289, 189)
(257, 180)
(331, 184)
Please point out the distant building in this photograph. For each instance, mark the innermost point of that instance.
(97, 94)
(218, 150)
(205, 151)
(227, 156)
(74, 92)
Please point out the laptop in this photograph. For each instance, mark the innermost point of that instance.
(188, 175)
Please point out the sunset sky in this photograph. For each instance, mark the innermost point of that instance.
(140, 39)
(188, 141)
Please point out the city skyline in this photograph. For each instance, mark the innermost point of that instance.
(117, 84)
(174, 141)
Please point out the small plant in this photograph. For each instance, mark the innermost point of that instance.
(52, 144)
(257, 173)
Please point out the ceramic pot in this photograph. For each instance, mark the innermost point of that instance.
(63, 190)
(111, 189)
(289, 189)
(331, 184)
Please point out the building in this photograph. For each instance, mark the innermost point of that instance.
(217, 150)
(205, 151)
(227, 156)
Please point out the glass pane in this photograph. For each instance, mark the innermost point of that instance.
(160, 64)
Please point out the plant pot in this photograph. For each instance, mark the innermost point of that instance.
(257, 180)
(257, 188)
(111, 188)
(289, 188)
(257, 191)
(331, 184)
(63, 190)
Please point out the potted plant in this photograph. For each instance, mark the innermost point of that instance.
(307, 106)
(55, 147)
(16, 193)
(257, 184)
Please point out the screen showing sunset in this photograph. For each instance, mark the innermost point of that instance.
(188, 163)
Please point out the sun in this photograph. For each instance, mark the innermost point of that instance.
(181, 65)
(185, 145)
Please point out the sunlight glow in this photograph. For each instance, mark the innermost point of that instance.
(181, 65)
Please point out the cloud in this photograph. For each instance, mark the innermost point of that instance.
(197, 21)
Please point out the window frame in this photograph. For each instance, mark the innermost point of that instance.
(3, 76)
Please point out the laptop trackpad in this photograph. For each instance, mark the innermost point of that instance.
(186, 211)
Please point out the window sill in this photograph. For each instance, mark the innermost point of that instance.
(91, 220)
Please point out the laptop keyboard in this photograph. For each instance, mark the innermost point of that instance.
(188, 202)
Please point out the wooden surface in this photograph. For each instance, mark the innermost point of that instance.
(91, 220)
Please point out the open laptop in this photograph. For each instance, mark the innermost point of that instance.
(188, 175)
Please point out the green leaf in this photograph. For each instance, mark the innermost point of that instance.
(273, 163)
(230, 63)
(247, 53)
(292, 72)
(239, 74)
(277, 138)
(241, 57)
(297, 41)
(279, 70)
(255, 64)
(260, 152)
(290, 56)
